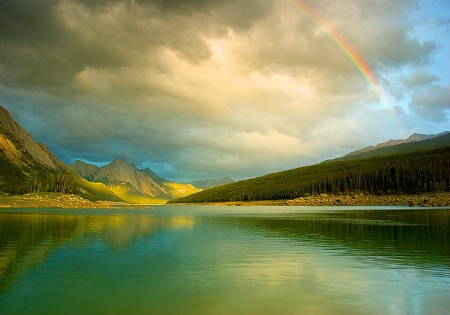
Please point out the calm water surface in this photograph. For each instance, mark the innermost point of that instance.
(224, 260)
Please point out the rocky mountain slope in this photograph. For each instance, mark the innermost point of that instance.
(85, 170)
(155, 177)
(28, 166)
(17, 146)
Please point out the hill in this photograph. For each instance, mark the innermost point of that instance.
(28, 166)
(131, 184)
(415, 137)
(414, 168)
(414, 142)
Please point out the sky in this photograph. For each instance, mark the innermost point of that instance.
(201, 89)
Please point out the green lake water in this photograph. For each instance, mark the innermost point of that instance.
(225, 260)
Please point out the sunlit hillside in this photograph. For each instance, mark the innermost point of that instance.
(128, 194)
(95, 191)
(174, 190)
(132, 184)
(178, 190)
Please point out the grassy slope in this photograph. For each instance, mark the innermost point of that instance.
(174, 190)
(180, 190)
(134, 197)
(95, 191)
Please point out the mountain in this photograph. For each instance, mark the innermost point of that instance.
(21, 158)
(209, 183)
(131, 184)
(85, 170)
(29, 166)
(123, 177)
(406, 168)
(408, 145)
(19, 147)
(153, 175)
(415, 137)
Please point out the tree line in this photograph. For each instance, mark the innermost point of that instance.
(406, 173)
(38, 180)
(49, 182)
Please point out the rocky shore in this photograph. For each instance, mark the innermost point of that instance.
(56, 200)
(420, 200)
(49, 200)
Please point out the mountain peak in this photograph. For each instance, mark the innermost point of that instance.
(119, 162)
(153, 175)
(79, 162)
(85, 170)
(418, 137)
(421, 136)
(117, 168)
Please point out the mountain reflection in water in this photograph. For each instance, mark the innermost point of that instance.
(27, 238)
(188, 259)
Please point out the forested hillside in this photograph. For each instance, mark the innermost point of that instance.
(425, 170)
(436, 141)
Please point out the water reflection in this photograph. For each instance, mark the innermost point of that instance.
(217, 260)
(26, 239)
(401, 236)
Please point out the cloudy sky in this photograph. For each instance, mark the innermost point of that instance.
(199, 89)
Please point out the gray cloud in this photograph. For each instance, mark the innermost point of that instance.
(418, 79)
(433, 103)
(398, 48)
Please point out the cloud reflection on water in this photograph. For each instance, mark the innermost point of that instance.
(213, 259)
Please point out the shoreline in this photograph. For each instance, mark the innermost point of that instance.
(63, 201)
(49, 200)
(441, 199)
(56, 200)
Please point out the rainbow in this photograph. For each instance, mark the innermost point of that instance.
(351, 54)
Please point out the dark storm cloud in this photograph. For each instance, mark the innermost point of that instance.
(46, 44)
(38, 50)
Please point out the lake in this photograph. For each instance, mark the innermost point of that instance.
(225, 260)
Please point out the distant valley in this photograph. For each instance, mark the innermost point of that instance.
(132, 184)
(414, 165)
